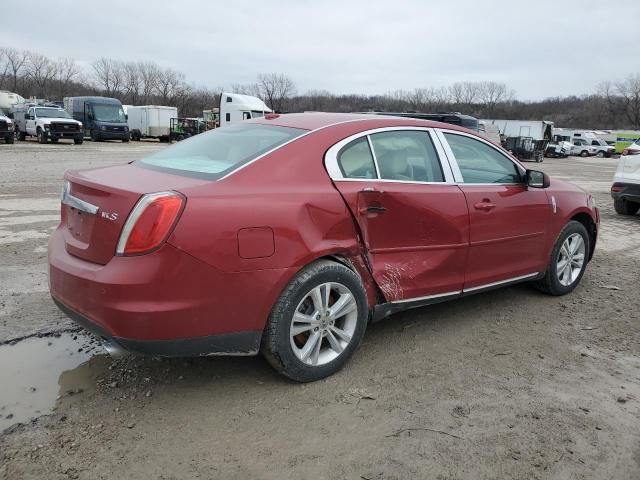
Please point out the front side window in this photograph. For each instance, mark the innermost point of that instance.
(480, 163)
(213, 154)
(355, 160)
(407, 155)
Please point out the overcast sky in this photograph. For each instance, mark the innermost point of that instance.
(539, 48)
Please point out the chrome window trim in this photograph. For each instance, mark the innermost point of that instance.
(331, 157)
(454, 162)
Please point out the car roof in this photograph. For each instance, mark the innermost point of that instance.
(318, 120)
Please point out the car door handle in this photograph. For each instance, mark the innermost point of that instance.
(373, 209)
(485, 205)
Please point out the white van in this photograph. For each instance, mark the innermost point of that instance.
(235, 108)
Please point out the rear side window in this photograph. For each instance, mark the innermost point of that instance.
(213, 154)
(480, 163)
(407, 156)
(355, 160)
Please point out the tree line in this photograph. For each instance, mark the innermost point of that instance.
(614, 105)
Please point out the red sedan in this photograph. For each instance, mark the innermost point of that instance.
(287, 234)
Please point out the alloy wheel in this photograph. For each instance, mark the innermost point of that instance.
(323, 324)
(571, 259)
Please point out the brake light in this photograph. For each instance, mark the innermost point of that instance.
(631, 151)
(150, 223)
(617, 188)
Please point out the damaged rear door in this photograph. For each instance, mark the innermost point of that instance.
(413, 219)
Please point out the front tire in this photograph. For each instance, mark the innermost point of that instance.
(42, 136)
(625, 207)
(568, 260)
(584, 153)
(317, 323)
(600, 154)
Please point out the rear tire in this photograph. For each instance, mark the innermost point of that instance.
(625, 207)
(326, 338)
(10, 139)
(600, 154)
(584, 153)
(558, 280)
(78, 141)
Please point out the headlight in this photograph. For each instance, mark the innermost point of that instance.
(79, 125)
(126, 129)
(103, 127)
(46, 126)
(9, 123)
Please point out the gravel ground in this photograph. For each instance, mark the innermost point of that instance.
(506, 384)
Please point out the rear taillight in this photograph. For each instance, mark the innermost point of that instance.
(150, 223)
(617, 188)
(631, 151)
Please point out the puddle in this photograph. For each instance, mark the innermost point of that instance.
(34, 372)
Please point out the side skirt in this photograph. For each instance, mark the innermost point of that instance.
(384, 310)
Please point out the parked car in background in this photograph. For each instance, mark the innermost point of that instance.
(288, 234)
(103, 117)
(602, 148)
(625, 190)
(46, 124)
(150, 121)
(582, 147)
(6, 128)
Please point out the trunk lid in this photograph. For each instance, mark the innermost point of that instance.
(97, 203)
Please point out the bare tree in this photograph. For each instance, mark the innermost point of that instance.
(149, 74)
(131, 82)
(490, 94)
(629, 93)
(168, 83)
(66, 72)
(42, 71)
(275, 87)
(252, 89)
(16, 61)
(109, 76)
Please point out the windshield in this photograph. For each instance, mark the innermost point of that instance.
(215, 153)
(105, 112)
(51, 113)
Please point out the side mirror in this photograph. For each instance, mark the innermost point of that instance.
(90, 116)
(536, 179)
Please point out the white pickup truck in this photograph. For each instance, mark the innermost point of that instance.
(47, 123)
(6, 128)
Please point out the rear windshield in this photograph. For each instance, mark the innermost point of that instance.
(213, 154)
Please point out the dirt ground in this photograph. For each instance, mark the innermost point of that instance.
(506, 384)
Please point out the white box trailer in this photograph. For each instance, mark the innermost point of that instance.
(150, 121)
(536, 129)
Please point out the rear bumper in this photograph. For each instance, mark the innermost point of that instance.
(240, 343)
(627, 191)
(166, 302)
